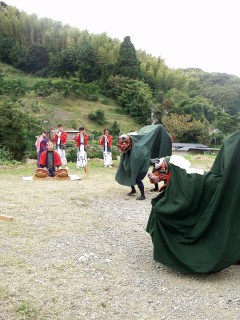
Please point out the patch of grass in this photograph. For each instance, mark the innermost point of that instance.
(6, 260)
(27, 311)
(201, 161)
(4, 294)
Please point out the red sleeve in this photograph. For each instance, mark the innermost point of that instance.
(64, 137)
(57, 160)
(85, 139)
(77, 139)
(54, 138)
(42, 160)
(110, 140)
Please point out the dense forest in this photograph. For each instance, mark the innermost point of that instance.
(195, 106)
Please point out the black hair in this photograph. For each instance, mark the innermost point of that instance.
(81, 128)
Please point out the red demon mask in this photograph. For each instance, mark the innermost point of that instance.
(160, 173)
(124, 143)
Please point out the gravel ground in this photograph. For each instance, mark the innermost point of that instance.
(79, 250)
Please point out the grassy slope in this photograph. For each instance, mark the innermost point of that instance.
(72, 111)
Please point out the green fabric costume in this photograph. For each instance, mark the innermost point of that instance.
(195, 222)
(152, 141)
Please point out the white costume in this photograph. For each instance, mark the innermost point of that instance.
(81, 154)
(107, 155)
(60, 151)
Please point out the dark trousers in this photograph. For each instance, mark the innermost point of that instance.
(139, 182)
(51, 172)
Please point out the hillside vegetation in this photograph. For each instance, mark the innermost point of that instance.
(62, 74)
(71, 111)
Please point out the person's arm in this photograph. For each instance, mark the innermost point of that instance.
(64, 137)
(54, 139)
(85, 140)
(42, 160)
(110, 141)
(100, 140)
(57, 160)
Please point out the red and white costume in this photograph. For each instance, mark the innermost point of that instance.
(60, 140)
(106, 142)
(81, 142)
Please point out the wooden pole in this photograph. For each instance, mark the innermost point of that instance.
(6, 218)
(86, 171)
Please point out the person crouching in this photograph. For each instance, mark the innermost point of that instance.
(50, 160)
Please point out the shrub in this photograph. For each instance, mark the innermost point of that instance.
(98, 116)
(105, 101)
(4, 154)
(71, 155)
(16, 87)
(55, 97)
(92, 116)
(115, 129)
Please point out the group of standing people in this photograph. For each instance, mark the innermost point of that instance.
(58, 146)
(137, 150)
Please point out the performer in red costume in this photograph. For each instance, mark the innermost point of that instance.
(106, 141)
(50, 159)
(60, 141)
(81, 141)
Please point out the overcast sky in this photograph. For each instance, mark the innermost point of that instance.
(185, 33)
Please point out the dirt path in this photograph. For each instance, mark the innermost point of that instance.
(79, 250)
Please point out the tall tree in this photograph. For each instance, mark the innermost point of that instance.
(184, 128)
(127, 64)
(37, 58)
(6, 45)
(88, 69)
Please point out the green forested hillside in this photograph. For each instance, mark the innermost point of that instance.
(71, 110)
(55, 73)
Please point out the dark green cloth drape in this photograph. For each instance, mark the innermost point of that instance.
(152, 141)
(195, 222)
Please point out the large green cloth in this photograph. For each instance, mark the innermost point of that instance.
(195, 222)
(151, 141)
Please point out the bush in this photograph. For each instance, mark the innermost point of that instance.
(92, 116)
(95, 153)
(98, 116)
(5, 158)
(71, 155)
(4, 154)
(16, 87)
(70, 144)
(55, 97)
(20, 127)
(115, 129)
(105, 101)
(32, 154)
